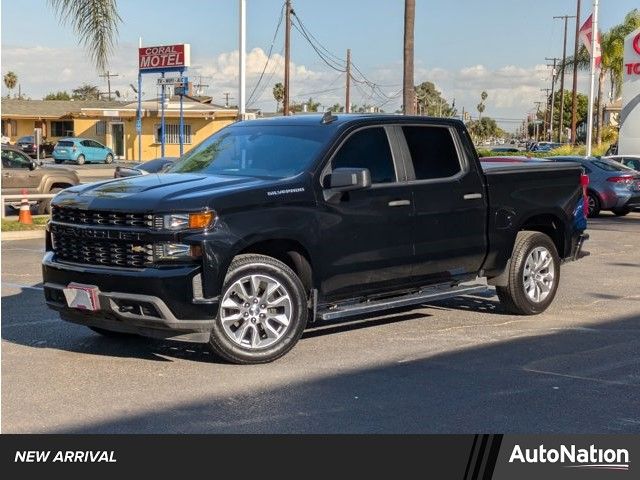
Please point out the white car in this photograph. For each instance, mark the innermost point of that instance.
(631, 161)
(5, 140)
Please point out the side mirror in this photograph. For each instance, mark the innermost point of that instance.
(345, 179)
(33, 165)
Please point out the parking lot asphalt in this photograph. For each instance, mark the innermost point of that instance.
(461, 365)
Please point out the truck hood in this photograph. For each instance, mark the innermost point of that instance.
(157, 192)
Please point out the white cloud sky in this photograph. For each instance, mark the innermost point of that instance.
(512, 89)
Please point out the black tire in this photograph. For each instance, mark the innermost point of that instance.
(514, 297)
(594, 204)
(111, 333)
(80, 160)
(109, 159)
(621, 212)
(44, 207)
(58, 162)
(251, 264)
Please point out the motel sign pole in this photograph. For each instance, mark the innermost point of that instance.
(162, 120)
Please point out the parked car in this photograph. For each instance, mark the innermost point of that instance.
(612, 186)
(157, 165)
(505, 150)
(20, 172)
(81, 150)
(5, 140)
(544, 146)
(271, 223)
(631, 161)
(28, 145)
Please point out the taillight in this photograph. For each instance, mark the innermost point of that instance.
(584, 182)
(628, 180)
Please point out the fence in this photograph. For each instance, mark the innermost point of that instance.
(19, 196)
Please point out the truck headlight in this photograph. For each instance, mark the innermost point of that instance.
(184, 221)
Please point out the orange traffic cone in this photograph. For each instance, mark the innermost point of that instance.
(25, 210)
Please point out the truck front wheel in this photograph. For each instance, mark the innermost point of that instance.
(533, 277)
(262, 313)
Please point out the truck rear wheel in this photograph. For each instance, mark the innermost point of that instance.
(262, 313)
(533, 277)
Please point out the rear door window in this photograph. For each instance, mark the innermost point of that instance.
(433, 152)
(64, 143)
(368, 148)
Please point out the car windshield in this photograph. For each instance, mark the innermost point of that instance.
(270, 151)
(25, 140)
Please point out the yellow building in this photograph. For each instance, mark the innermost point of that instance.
(114, 123)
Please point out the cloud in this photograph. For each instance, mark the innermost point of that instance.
(512, 89)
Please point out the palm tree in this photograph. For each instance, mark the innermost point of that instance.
(278, 94)
(86, 92)
(96, 24)
(480, 108)
(10, 81)
(408, 96)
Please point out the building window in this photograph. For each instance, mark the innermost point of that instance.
(101, 127)
(172, 133)
(62, 128)
(9, 128)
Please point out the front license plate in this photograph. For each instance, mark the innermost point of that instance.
(82, 297)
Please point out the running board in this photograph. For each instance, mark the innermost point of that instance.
(425, 295)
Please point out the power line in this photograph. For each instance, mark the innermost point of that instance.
(266, 64)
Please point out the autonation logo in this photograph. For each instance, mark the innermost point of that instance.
(574, 457)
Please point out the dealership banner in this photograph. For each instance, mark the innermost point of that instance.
(463, 457)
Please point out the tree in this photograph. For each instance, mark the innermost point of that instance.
(430, 101)
(10, 81)
(96, 24)
(481, 106)
(278, 94)
(310, 105)
(337, 108)
(485, 127)
(86, 92)
(408, 96)
(60, 95)
(581, 113)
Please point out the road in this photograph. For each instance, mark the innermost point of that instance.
(461, 365)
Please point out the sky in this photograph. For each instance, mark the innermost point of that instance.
(463, 46)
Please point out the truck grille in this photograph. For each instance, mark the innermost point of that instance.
(101, 218)
(106, 253)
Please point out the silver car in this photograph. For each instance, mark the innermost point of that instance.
(612, 186)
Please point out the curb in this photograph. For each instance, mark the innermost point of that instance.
(23, 235)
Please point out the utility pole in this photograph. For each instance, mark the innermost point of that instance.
(108, 76)
(553, 97)
(242, 61)
(347, 101)
(227, 96)
(574, 89)
(564, 59)
(538, 103)
(408, 88)
(199, 86)
(546, 113)
(287, 58)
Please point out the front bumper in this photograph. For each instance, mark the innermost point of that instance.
(156, 302)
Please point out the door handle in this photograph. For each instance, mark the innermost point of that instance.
(472, 196)
(399, 203)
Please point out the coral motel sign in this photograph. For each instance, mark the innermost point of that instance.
(164, 58)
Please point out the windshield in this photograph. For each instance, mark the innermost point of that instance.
(271, 151)
(25, 140)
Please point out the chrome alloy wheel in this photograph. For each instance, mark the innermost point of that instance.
(256, 311)
(539, 274)
(591, 204)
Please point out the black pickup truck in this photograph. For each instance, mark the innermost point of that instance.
(270, 224)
